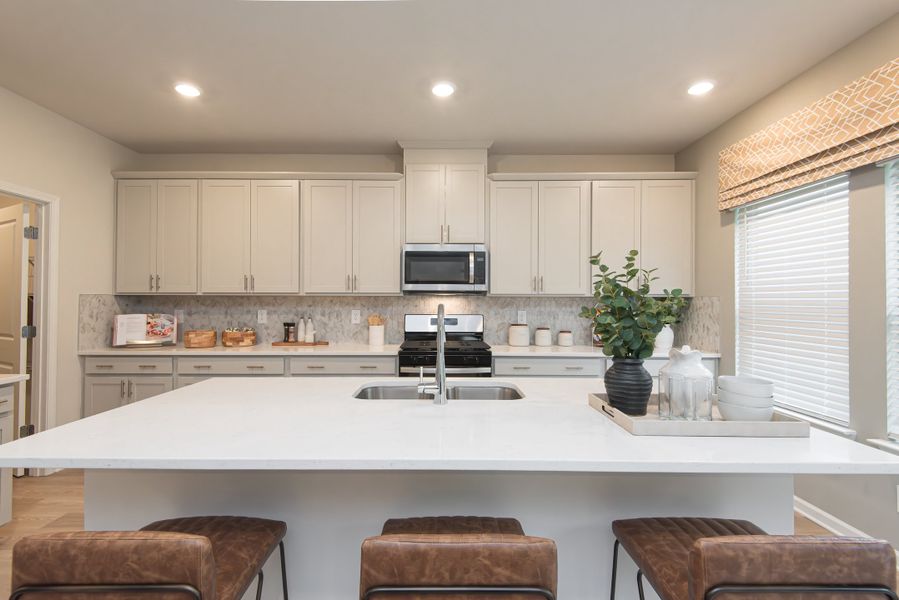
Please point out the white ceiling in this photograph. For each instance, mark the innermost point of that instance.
(536, 76)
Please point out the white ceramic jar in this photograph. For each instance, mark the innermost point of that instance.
(543, 337)
(566, 338)
(519, 335)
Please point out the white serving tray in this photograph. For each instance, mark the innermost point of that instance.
(780, 426)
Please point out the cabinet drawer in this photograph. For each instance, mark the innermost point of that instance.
(151, 365)
(343, 365)
(549, 367)
(231, 366)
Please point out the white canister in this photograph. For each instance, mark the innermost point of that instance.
(543, 337)
(519, 335)
(566, 338)
(375, 335)
(664, 342)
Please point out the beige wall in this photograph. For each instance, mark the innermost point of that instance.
(867, 503)
(550, 163)
(46, 152)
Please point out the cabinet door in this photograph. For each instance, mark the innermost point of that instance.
(564, 238)
(141, 388)
(513, 238)
(377, 238)
(666, 233)
(425, 188)
(103, 393)
(327, 237)
(615, 218)
(465, 207)
(135, 236)
(176, 236)
(275, 237)
(224, 236)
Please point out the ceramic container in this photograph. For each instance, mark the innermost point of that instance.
(744, 400)
(519, 335)
(746, 385)
(375, 335)
(565, 338)
(664, 342)
(543, 337)
(734, 412)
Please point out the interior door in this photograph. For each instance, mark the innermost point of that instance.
(275, 237)
(225, 236)
(13, 282)
(513, 238)
(615, 218)
(135, 236)
(377, 238)
(176, 236)
(564, 238)
(425, 187)
(327, 237)
(465, 204)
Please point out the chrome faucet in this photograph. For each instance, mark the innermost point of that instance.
(437, 388)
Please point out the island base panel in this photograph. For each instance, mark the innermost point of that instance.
(329, 513)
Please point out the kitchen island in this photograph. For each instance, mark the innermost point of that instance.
(334, 467)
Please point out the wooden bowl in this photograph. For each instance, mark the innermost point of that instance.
(238, 338)
(199, 338)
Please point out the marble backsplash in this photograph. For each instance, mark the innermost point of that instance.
(331, 315)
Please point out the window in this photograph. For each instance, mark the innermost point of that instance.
(792, 297)
(892, 276)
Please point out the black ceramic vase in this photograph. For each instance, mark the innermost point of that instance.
(628, 385)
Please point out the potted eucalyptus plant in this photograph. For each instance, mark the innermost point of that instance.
(627, 319)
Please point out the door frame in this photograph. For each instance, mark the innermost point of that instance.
(46, 301)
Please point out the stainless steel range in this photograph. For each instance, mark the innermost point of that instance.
(467, 355)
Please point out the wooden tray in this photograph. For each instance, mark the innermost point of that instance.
(301, 344)
(780, 426)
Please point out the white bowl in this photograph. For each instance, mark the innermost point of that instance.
(748, 386)
(733, 412)
(744, 400)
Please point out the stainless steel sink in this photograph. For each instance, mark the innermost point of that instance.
(455, 391)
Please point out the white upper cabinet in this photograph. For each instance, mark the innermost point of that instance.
(275, 237)
(513, 238)
(666, 233)
(225, 236)
(156, 236)
(615, 210)
(327, 237)
(377, 237)
(539, 238)
(445, 203)
(465, 207)
(564, 237)
(351, 237)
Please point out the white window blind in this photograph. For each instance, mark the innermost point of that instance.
(792, 296)
(892, 276)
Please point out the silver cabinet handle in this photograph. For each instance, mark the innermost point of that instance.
(244, 283)
(541, 283)
(122, 388)
(255, 366)
(102, 366)
(574, 368)
(521, 368)
(130, 389)
(368, 366)
(202, 366)
(441, 234)
(355, 282)
(252, 283)
(447, 234)
(146, 366)
(534, 284)
(151, 282)
(315, 366)
(157, 282)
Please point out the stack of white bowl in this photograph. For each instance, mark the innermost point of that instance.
(743, 398)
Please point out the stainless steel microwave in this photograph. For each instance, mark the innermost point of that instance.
(444, 269)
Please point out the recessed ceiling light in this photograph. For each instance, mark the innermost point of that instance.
(188, 89)
(443, 89)
(700, 88)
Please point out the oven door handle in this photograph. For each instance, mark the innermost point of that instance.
(449, 370)
(471, 268)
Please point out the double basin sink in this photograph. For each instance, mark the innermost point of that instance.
(454, 391)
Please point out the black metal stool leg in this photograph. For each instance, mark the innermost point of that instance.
(640, 584)
(283, 570)
(614, 568)
(259, 587)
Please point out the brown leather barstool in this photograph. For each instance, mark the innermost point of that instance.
(703, 559)
(457, 557)
(206, 558)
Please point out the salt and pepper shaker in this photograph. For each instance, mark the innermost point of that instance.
(290, 332)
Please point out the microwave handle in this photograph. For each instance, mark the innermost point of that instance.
(471, 267)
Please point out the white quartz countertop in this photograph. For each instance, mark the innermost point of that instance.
(564, 351)
(343, 349)
(11, 379)
(314, 423)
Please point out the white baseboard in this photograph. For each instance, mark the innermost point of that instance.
(826, 520)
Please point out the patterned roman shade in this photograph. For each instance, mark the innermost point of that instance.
(854, 126)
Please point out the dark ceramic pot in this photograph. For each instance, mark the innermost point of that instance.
(628, 385)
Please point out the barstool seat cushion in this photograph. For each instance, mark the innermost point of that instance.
(240, 545)
(661, 547)
(452, 525)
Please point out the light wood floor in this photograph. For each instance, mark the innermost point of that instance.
(56, 503)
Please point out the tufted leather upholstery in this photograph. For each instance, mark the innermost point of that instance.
(661, 547)
(457, 551)
(790, 560)
(452, 525)
(240, 545)
(114, 557)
